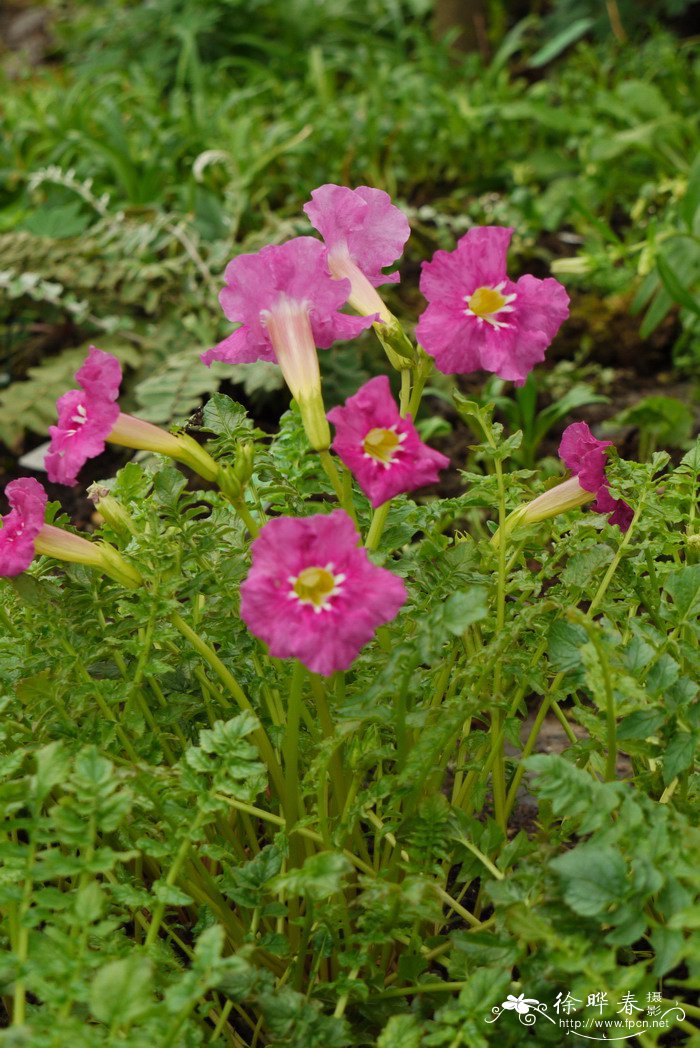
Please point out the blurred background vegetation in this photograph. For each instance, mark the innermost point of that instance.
(144, 144)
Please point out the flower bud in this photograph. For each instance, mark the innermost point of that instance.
(111, 510)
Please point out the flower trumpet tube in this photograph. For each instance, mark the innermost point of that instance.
(24, 534)
(131, 432)
(585, 456)
(89, 416)
(559, 499)
(364, 233)
(287, 305)
(292, 339)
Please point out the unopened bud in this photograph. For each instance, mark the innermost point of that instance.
(558, 499)
(111, 510)
(397, 345)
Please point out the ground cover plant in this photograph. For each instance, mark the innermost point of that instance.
(127, 183)
(268, 763)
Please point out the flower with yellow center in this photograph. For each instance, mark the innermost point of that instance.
(382, 445)
(486, 302)
(315, 586)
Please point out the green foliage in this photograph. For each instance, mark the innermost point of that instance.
(156, 887)
(177, 866)
(127, 188)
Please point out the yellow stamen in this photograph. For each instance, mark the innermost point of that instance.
(485, 301)
(314, 585)
(380, 444)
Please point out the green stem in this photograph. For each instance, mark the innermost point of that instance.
(499, 770)
(602, 589)
(318, 688)
(530, 745)
(341, 494)
(290, 746)
(173, 873)
(233, 687)
(610, 712)
(426, 987)
(405, 398)
(20, 993)
(425, 366)
(246, 516)
(377, 526)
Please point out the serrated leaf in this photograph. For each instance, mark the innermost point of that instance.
(225, 417)
(320, 877)
(592, 877)
(679, 754)
(565, 640)
(683, 586)
(463, 608)
(122, 991)
(174, 389)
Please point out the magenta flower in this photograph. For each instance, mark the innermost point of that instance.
(382, 449)
(363, 232)
(89, 416)
(313, 594)
(24, 534)
(585, 457)
(287, 304)
(86, 417)
(478, 318)
(22, 524)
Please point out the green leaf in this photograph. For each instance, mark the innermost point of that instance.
(561, 41)
(245, 884)
(679, 755)
(641, 724)
(683, 586)
(57, 222)
(661, 305)
(402, 1031)
(175, 388)
(565, 641)
(675, 286)
(122, 990)
(690, 205)
(225, 754)
(225, 417)
(593, 878)
(463, 608)
(586, 565)
(52, 765)
(667, 417)
(320, 877)
(89, 903)
(667, 944)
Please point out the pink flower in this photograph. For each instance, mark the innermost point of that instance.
(313, 594)
(478, 318)
(382, 449)
(287, 304)
(89, 416)
(363, 232)
(585, 456)
(86, 417)
(22, 524)
(24, 534)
